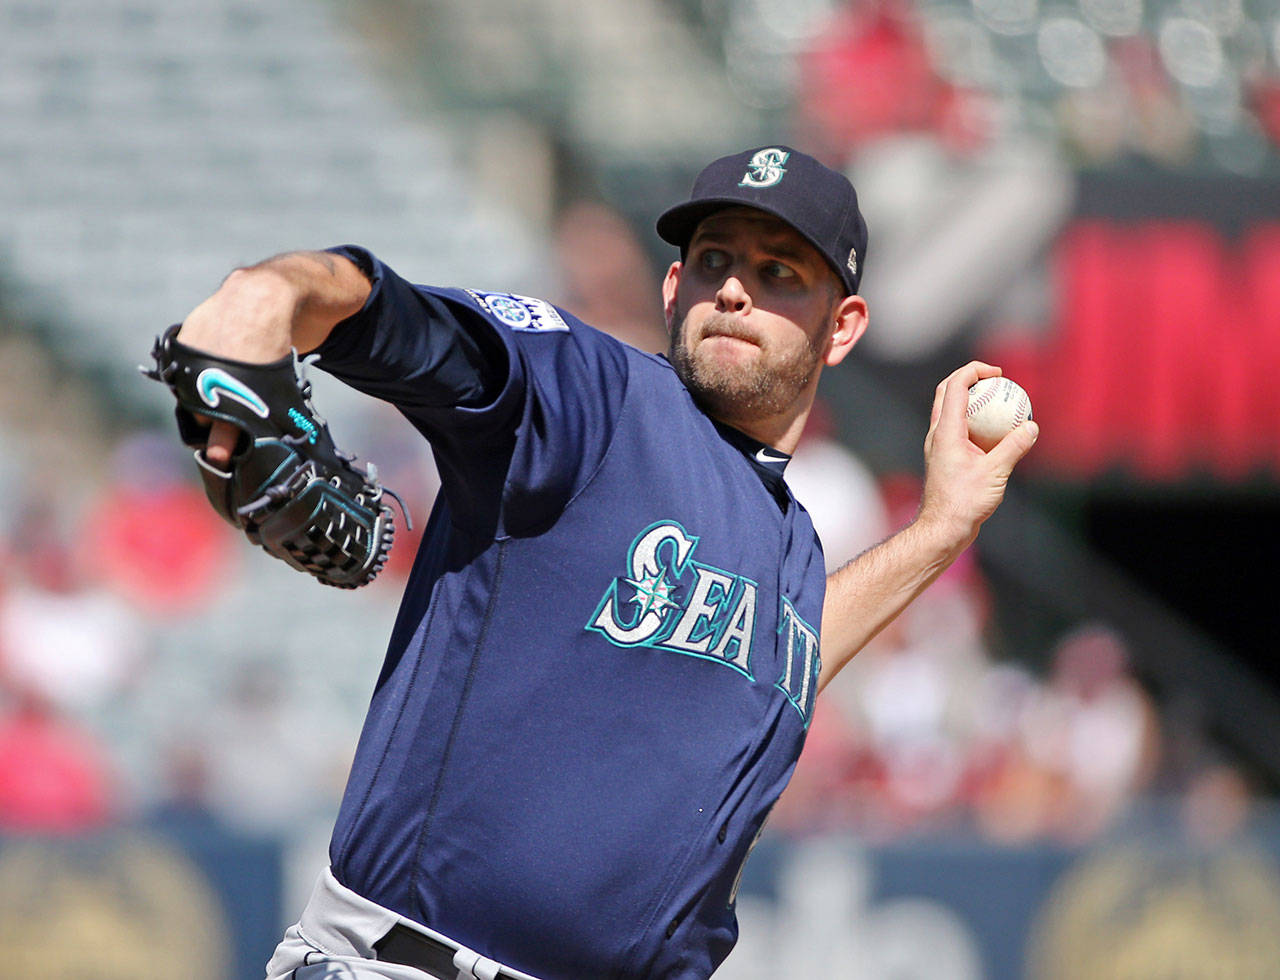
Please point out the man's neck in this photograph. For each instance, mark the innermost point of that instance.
(781, 433)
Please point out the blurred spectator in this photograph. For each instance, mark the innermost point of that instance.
(1085, 748)
(185, 804)
(837, 782)
(924, 732)
(1216, 805)
(67, 641)
(1161, 125)
(151, 534)
(913, 688)
(53, 776)
(1098, 726)
(868, 74)
(1214, 797)
(607, 277)
(1264, 97)
(1009, 793)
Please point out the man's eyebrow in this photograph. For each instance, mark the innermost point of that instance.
(777, 242)
(786, 250)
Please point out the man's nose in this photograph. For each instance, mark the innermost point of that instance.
(732, 297)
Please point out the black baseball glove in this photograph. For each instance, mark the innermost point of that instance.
(289, 488)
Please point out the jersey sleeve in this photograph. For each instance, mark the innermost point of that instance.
(518, 399)
(423, 350)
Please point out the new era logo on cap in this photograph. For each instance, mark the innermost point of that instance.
(815, 200)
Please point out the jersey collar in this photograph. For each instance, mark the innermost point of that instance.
(770, 464)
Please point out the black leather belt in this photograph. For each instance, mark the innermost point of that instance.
(408, 947)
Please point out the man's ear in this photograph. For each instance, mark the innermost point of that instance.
(851, 319)
(670, 289)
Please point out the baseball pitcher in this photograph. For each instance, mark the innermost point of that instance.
(610, 646)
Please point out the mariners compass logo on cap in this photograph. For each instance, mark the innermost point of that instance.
(766, 168)
(815, 200)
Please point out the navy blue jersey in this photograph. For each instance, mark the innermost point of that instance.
(606, 656)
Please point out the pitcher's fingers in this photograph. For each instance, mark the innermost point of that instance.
(1008, 452)
(953, 406)
(936, 410)
(968, 375)
(223, 437)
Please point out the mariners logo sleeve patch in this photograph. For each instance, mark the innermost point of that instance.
(520, 312)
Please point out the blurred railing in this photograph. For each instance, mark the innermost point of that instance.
(1181, 890)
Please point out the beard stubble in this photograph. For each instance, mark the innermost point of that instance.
(735, 392)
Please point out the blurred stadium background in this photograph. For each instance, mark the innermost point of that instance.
(1062, 763)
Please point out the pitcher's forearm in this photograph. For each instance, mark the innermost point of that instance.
(868, 593)
(290, 300)
(963, 486)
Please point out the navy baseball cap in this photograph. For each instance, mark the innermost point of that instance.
(818, 202)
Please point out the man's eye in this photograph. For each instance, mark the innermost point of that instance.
(776, 270)
(713, 259)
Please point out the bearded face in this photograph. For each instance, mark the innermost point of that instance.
(740, 372)
(753, 310)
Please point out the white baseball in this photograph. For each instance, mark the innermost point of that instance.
(996, 407)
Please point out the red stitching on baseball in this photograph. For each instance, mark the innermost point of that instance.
(981, 401)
